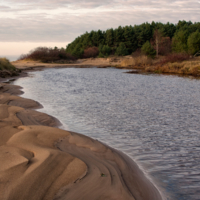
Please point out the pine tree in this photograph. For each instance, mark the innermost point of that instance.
(121, 50)
(194, 43)
(148, 50)
(179, 41)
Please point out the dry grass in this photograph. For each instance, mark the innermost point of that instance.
(186, 67)
(174, 57)
(173, 63)
(189, 67)
(6, 65)
(7, 69)
(139, 61)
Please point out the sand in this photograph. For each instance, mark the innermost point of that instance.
(40, 161)
(80, 63)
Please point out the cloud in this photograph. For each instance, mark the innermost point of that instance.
(91, 4)
(2, 8)
(63, 20)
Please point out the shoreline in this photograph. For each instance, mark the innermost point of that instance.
(81, 63)
(116, 62)
(82, 164)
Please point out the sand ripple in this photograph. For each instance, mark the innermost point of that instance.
(42, 162)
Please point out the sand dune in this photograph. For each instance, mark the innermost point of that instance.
(42, 162)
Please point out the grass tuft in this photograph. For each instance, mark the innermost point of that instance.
(6, 65)
(139, 61)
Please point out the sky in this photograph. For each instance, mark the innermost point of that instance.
(25, 25)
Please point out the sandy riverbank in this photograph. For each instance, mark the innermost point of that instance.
(140, 64)
(39, 161)
(90, 62)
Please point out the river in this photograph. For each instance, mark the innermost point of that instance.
(152, 118)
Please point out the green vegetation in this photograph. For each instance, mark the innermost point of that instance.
(154, 47)
(104, 51)
(163, 38)
(179, 41)
(7, 69)
(6, 65)
(194, 42)
(148, 50)
(49, 55)
(151, 39)
(77, 51)
(121, 50)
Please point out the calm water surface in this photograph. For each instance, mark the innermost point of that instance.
(153, 119)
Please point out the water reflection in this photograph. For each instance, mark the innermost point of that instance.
(154, 119)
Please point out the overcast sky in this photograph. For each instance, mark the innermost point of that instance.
(26, 24)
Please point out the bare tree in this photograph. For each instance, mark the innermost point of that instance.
(197, 54)
(161, 44)
(157, 36)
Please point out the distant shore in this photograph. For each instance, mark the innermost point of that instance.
(140, 64)
(40, 161)
(89, 62)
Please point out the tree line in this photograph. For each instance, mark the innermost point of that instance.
(150, 38)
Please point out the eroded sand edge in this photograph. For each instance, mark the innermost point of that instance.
(39, 161)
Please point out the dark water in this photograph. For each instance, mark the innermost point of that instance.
(153, 119)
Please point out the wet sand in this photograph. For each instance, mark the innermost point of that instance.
(40, 161)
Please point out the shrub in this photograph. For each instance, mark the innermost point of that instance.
(7, 69)
(45, 54)
(164, 45)
(148, 50)
(121, 50)
(194, 42)
(78, 51)
(104, 50)
(179, 42)
(175, 57)
(139, 61)
(175, 65)
(91, 52)
(136, 53)
(101, 55)
(6, 65)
